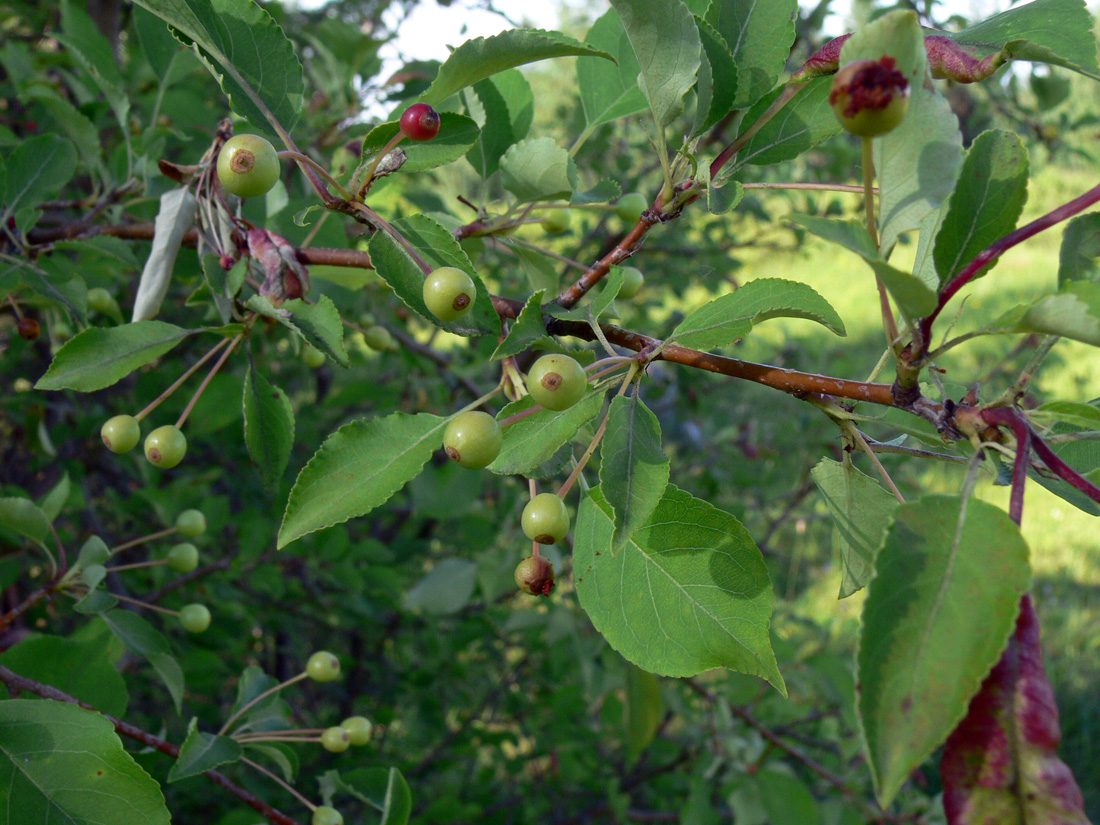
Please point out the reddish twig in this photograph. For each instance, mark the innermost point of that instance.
(1010, 417)
(16, 683)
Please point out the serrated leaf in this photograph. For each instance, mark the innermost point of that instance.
(84, 777)
(245, 50)
(717, 85)
(804, 122)
(357, 468)
(534, 439)
(201, 752)
(634, 470)
(25, 518)
(527, 329)
(759, 37)
(438, 248)
(1001, 763)
(1079, 414)
(538, 169)
(689, 592)
(100, 356)
(609, 90)
(1079, 259)
(1058, 32)
(729, 317)
(861, 511)
(939, 608)
(54, 501)
(445, 589)
(317, 324)
(34, 171)
(597, 305)
(457, 133)
(143, 639)
(986, 203)
(666, 44)
(1073, 312)
(174, 218)
(483, 57)
(268, 425)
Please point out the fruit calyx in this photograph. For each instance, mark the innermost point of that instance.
(870, 97)
(535, 575)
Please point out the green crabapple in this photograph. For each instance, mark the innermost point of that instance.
(449, 293)
(358, 728)
(535, 576)
(870, 97)
(558, 220)
(545, 519)
(194, 618)
(323, 666)
(633, 279)
(324, 815)
(473, 439)
(183, 557)
(248, 166)
(165, 446)
(191, 523)
(630, 207)
(335, 740)
(557, 382)
(120, 433)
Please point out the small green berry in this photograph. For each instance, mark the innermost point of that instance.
(633, 279)
(358, 728)
(335, 740)
(558, 220)
(183, 558)
(449, 293)
(379, 338)
(535, 576)
(323, 666)
(630, 207)
(324, 815)
(165, 446)
(100, 300)
(870, 97)
(557, 382)
(121, 433)
(191, 523)
(248, 166)
(312, 356)
(473, 439)
(195, 618)
(545, 519)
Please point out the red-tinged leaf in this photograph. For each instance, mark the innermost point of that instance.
(1000, 765)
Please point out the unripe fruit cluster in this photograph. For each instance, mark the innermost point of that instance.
(248, 166)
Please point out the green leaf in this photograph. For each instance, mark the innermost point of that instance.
(83, 777)
(92, 51)
(54, 501)
(483, 57)
(538, 169)
(689, 592)
(918, 164)
(445, 590)
(633, 468)
(268, 425)
(759, 37)
(245, 50)
(143, 639)
(644, 710)
(317, 324)
(526, 329)
(786, 798)
(609, 91)
(438, 248)
(201, 752)
(457, 133)
(1058, 32)
(596, 305)
(534, 439)
(1080, 254)
(25, 518)
(100, 356)
(284, 757)
(357, 468)
(37, 169)
(79, 668)
(804, 122)
(939, 608)
(729, 317)
(93, 551)
(1073, 312)
(717, 84)
(986, 204)
(1083, 456)
(506, 110)
(1079, 414)
(604, 191)
(667, 46)
(861, 511)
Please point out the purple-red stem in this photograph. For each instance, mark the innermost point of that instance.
(1008, 416)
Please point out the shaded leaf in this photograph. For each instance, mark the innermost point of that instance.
(759, 36)
(268, 425)
(143, 639)
(202, 752)
(534, 439)
(633, 468)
